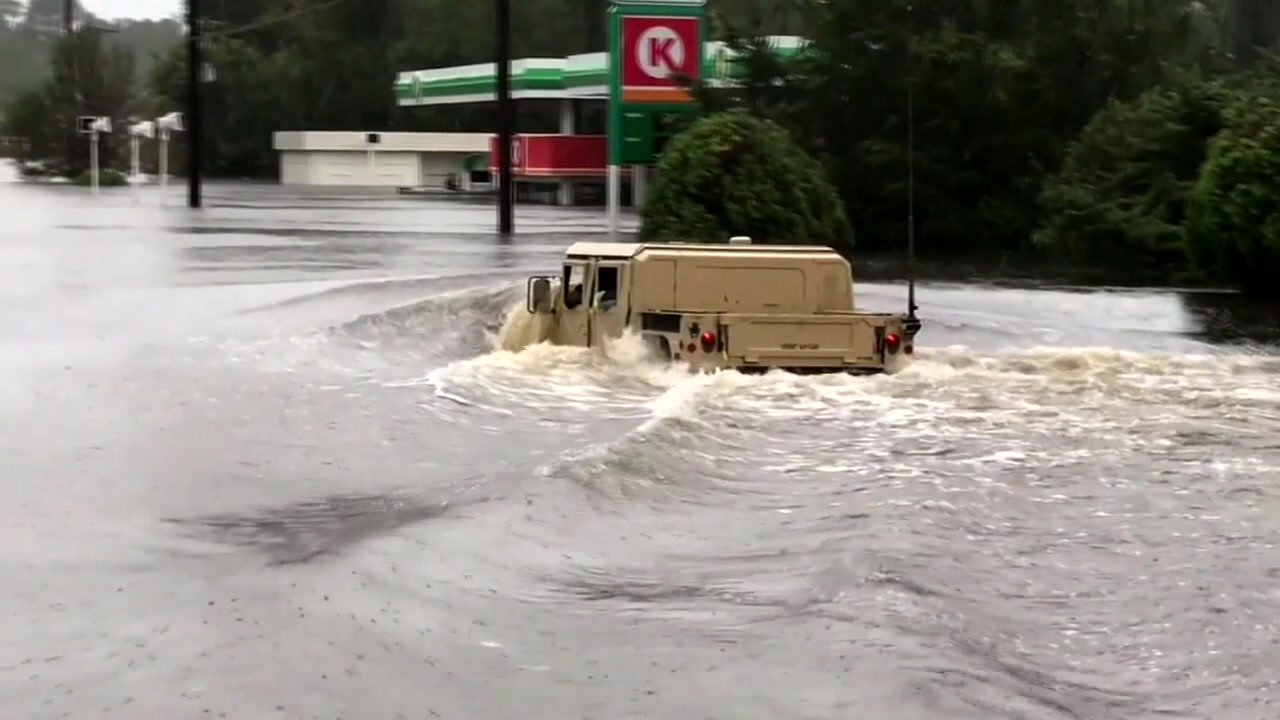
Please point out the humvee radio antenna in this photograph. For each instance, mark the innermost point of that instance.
(911, 178)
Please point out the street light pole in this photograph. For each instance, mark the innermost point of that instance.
(194, 65)
(506, 117)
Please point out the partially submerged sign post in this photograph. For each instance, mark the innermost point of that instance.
(93, 126)
(653, 44)
(372, 141)
(138, 131)
(173, 122)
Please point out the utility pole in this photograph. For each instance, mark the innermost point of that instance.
(68, 27)
(911, 169)
(195, 64)
(506, 118)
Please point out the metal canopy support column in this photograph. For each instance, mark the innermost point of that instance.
(639, 185)
(566, 117)
(565, 191)
(613, 122)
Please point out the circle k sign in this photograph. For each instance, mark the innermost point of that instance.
(655, 50)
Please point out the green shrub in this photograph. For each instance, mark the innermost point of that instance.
(106, 178)
(734, 174)
(1233, 214)
(1120, 196)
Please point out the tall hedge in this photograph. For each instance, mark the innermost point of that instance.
(1233, 213)
(1120, 197)
(735, 174)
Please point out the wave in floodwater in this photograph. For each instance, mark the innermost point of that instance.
(476, 356)
(1013, 409)
(994, 508)
(1031, 533)
(958, 374)
(458, 323)
(479, 348)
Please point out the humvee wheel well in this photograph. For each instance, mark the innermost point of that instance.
(658, 344)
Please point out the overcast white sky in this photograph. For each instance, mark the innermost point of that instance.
(112, 9)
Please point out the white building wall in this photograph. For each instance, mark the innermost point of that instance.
(387, 141)
(362, 169)
(295, 168)
(434, 168)
(396, 160)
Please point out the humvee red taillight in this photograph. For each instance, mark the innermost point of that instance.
(892, 342)
(708, 341)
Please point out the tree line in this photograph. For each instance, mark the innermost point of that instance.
(47, 79)
(29, 31)
(1100, 131)
(1139, 136)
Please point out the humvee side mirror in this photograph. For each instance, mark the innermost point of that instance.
(539, 295)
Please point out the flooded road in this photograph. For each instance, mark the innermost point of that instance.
(263, 460)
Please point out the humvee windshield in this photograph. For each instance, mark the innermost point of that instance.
(606, 287)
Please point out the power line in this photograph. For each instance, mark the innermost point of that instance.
(275, 20)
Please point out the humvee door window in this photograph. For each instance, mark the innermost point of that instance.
(572, 284)
(606, 287)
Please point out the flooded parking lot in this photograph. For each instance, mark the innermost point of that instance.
(264, 460)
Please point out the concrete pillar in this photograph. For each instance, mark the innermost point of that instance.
(566, 116)
(639, 185)
(613, 195)
(564, 195)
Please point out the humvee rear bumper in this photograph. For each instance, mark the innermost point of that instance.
(810, 370)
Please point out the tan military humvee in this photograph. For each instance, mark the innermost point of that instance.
(741, 306)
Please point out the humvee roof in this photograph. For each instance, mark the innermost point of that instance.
(630, 250)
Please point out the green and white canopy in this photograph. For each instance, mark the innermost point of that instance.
(583, 76)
